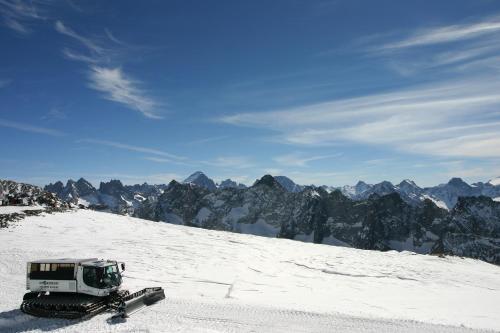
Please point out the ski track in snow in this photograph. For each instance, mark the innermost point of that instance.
(225, 282)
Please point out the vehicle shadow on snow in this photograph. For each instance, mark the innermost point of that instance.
(17, 321)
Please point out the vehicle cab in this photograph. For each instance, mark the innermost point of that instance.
(88, 276)
(98, 277)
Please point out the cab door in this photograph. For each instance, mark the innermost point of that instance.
(83, 288)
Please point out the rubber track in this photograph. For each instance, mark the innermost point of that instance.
(80, 307)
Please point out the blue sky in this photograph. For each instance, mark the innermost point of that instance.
(325, 92)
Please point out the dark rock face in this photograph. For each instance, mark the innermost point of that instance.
(384, 222)
(14, 193)
(474, 229)
(200, 179)
(57, 187)
(146, 189)
(228, 183)
(72, 191)
(113, 187)
(289, 184)
(84, 188)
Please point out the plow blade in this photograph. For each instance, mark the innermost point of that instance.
(136, 301)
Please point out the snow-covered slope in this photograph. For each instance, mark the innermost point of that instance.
(225, 282)
(495, 181)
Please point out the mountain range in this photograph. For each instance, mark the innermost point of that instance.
(452, 218)
(380, 222)
(111, 196)
(455, 217)
(443, 195)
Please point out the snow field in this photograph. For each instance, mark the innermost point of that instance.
(226, 282)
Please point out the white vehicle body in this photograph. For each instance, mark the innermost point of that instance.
(86, 276)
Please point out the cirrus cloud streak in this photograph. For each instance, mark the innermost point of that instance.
(442, 119)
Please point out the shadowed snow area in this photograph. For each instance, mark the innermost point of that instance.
(226, 282)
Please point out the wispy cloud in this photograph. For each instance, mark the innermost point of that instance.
(134, 148)
(464, 54)
(106, 77)
(183, 161)
(72, 55)
(377, 161)
(54, 114)
(207, 140)
(446, 118)
(18, 14)
(300, 159)
(412, 120)
(118, 87)
(486, 170)
(90, 44)
(446, 34)
(158, 159)
(442, 48)
(29, 128)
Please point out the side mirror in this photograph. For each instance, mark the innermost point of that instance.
(122, 266)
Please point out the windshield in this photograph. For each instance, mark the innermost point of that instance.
(101, 277)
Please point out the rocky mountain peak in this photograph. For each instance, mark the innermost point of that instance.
(25, 194)
(288, 184)
(228, 183)
(385, 184)
(173, 182)
(112, 187)
(83, 182)
(361, 186)
(200, 179)
(408, 183)
(337, 195)
(57, 187)
(269, 181)
(84, 187)
(458, 182)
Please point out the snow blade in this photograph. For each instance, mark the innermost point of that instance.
(145, 297)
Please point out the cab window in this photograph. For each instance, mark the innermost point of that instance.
(52, 271)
